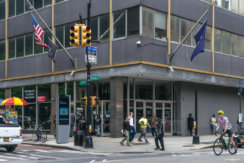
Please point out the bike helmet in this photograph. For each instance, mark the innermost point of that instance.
(221, 112)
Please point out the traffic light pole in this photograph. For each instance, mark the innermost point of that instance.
(88, 66)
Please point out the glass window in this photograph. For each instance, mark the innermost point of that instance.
(29, 44)
(57, 1)
(133, 20)
(30, 116)
(60, 35)
(119, 24)
(235, 6)
(163, 90)
(226, 4)
(16, 92)
(175, 25)
(45, 116)
(217, 40)
(47, 2)
(208, 38)
(225, 37)
(46, 36)
(30, 94)
(27, 5)
(19, 7)
(94, 28)
(241, 5)
(11, 8)
(144, 89)
(2, 50)
(70, 90)
(2, 9)
(241, 43)
(147, 22)
(67, 34)
(45, 90)
(2, 93)
(185, 28)
(11, 48)
(61, 89)
(218, 3)
(104, 90)
(38, 49)
(104, 27)
(234, 45)
(37, 4)
(20, 46)
(160, 25)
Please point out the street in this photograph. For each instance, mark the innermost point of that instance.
(31, 153)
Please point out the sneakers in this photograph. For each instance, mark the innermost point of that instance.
(147, 142)
(162, 149)
(121, 143)
(131, 142)
(139, 140)
(156, 148)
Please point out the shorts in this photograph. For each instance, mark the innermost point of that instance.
(230, 133)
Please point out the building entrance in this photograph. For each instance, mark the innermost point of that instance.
(104, 112)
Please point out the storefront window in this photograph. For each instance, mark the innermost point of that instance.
(30, 116)
(45, 116)
(61, 88)
(163, 90)
(30, 94)
(16, 92)
(147, 22)
(119, 24)
(45, 90)
(104, 90)
(144, 89)
(133, 20)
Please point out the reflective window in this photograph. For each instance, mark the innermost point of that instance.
(163, 90)
(144, 89)
(29, 44)
(160, 25)
(47, 2)
(234, 45)
(218, 3)
(217, 40)
(44, 116)
(235, 5)
(19, 7)
(147, 22)
(94, 28)
(225, 37)
(37, 4)
(226, 4)
(11, 8)
(104, 90)
(241, 43)
(133, 20)
(175, 32)
(30, 94)
(30, 116)
(60, 35)
(46, 36)
(241, 5)
(57, 1)
(208, 38)
(11, 48)
(67, 34)
(20, 46)
(38, 49)
(2, 9)
(70, 90)
(104, 27)
(2, 50)
(45, 90)
(185, 28)
(119, 24)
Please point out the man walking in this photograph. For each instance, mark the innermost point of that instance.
(154, 120)
(126, 129)
(144, 124)
(159, 137)
(190, 122)
(132, 128)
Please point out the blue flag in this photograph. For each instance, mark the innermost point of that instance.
(200, 41)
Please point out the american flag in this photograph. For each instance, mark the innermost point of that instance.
(38, 33)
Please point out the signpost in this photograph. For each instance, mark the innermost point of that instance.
(93, 78)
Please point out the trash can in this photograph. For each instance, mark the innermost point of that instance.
(78, 138)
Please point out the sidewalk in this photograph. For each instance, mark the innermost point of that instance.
(112, 145)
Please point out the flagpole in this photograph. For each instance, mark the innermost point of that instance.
(177, 48)
(66, 52)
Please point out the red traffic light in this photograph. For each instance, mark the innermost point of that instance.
(72, 28)
(88, 28)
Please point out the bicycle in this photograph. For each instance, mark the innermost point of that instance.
(38, 136)
(220, 144)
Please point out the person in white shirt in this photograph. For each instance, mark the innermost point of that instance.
(132, 128)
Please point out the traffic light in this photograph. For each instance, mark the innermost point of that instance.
(84, 101)
(75, 35)
(85, 36)
(94, 101)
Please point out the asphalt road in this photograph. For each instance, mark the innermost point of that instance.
(30, 154)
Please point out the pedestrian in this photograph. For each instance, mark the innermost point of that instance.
(144, 124)
(98, 125)
(126, 130)
(213, 124)
(153, 121)
(190, 122)
(132, 128)
(72, 124)
(160, 135)
(82, 124)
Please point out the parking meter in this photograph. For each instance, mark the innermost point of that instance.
(62, 118)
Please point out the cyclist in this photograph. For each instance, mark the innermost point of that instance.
(225, 123)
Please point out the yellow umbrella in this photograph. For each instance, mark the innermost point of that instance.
(14, 101)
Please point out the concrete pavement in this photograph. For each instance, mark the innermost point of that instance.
(111, 145)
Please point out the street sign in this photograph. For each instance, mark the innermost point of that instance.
(41, 98)
(95, 78)
(83, 82)
(92, 54)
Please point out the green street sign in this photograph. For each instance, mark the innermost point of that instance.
(95, 78)
(83, 82)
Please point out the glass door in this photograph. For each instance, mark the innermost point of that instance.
(139, 113)
(104, 112)
(168, 119)
(149, 111)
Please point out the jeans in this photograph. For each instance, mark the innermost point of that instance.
(132, 133)
(143, 133)
(213, 127)
(154, 131)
